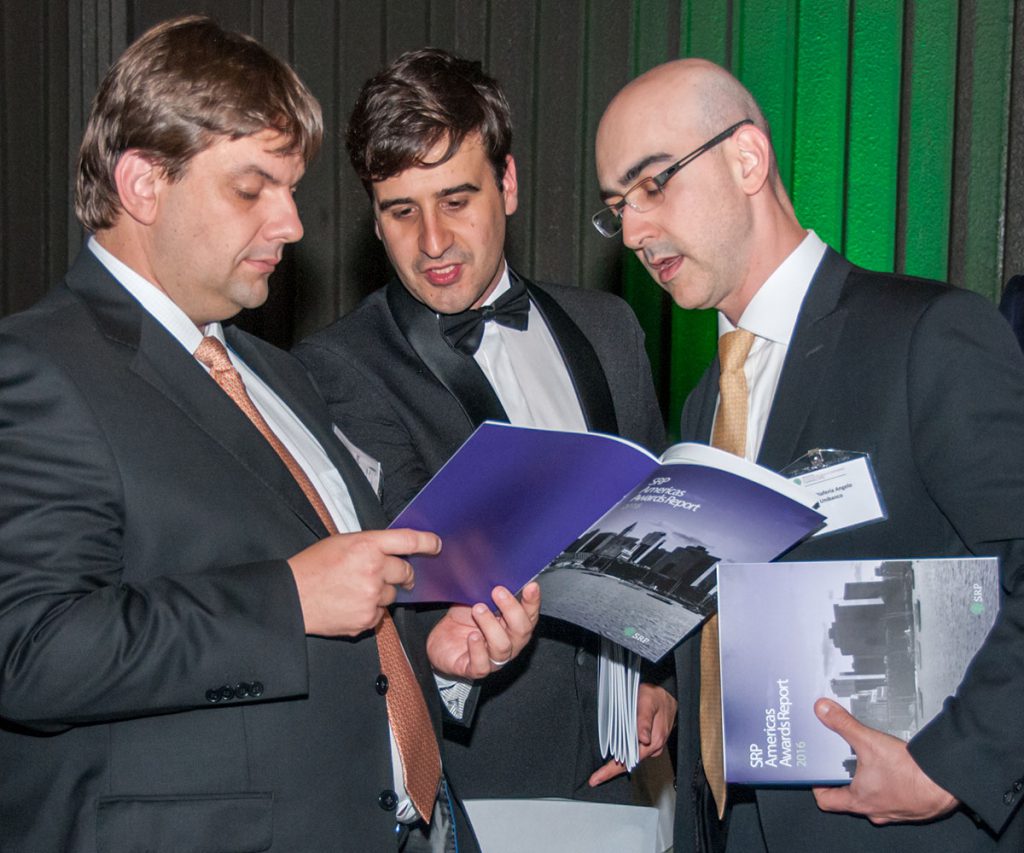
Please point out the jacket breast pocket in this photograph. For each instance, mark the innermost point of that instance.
(215, 823)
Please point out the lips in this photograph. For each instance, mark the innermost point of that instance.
(264, 265)
(443, 275)
(666, 268)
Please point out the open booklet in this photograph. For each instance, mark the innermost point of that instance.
(624, 544)
(887, 639)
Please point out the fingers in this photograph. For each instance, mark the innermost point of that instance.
(403, 541)
(498, 642)
(609, 770)
(835, 717)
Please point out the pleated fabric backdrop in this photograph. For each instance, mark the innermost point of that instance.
(899, 127)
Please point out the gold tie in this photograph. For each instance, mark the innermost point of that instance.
(407, 710)
(730, 433)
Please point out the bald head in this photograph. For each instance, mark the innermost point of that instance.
(691, 97)
(721, 221)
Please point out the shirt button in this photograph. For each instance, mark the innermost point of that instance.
(581, 657)
(381, 684)
(388, 800)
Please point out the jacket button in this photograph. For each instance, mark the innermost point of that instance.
(256, 688)
(581, 657)
(227, 692)
(241, 690)
(1008, 798)
(381, 684)
(1018, 786)
(388, 800)
(213, 696)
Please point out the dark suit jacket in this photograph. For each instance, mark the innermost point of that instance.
(410, 400)
(928, 380)
(144, 531)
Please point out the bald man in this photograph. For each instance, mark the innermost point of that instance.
(923, 377)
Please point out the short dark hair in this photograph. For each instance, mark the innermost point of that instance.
(423, 97)
(176, 90)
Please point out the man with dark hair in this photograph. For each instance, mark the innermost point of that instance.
(815, 353)
(196, 647)
(415, 368)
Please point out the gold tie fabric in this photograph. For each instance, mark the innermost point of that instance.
(729, 433)
(407, 710)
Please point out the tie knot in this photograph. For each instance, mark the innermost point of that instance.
(733, 349)
(212, 353)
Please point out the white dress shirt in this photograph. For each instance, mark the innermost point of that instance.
(771, 316)
(528, 373)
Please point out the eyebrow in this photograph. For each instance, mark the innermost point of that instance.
(633, 172)
(253, 169)
(447, 191)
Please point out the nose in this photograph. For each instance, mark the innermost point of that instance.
(435, 238)
(637, 227)
(285, 224)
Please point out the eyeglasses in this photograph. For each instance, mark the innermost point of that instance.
(649, 193)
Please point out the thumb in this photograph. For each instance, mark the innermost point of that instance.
(835, 717)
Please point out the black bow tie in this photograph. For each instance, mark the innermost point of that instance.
(465, 331)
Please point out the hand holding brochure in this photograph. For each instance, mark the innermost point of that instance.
(627, 543)
(887, 639)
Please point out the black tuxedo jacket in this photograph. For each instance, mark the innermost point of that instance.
(927, 379)
(410, 400)
(157, 691)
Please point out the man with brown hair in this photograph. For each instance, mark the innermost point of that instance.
(415, 368)
(196, 647)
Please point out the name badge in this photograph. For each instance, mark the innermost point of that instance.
(844, 483)
(367, 464)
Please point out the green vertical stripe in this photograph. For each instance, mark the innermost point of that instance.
(931, 82)
(874, 122)
(705, 29)
(764, 59)
(819, 149)
(991, 46)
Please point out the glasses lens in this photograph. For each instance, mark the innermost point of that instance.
(607, 222)
(645, 195)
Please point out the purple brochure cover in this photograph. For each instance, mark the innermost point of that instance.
(509, 501)
(887, 639)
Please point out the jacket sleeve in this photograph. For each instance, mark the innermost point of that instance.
(966, 392)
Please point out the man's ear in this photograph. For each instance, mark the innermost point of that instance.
(510, 186)
(752, 164)
(137, 177)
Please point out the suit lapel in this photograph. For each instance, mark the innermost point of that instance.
(699, 411)
(161, 361)
(818, 329)
(459, 373)
(588, 378)
(289, 380)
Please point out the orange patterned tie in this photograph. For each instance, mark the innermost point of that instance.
(407, 710)
(730, 433)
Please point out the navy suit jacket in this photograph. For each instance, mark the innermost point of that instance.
(410, 400)
(927, 379)
(145, 526)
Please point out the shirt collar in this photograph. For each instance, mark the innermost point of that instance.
(773, 311)
(155, 302)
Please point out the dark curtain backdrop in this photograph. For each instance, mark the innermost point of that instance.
(899, 127)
